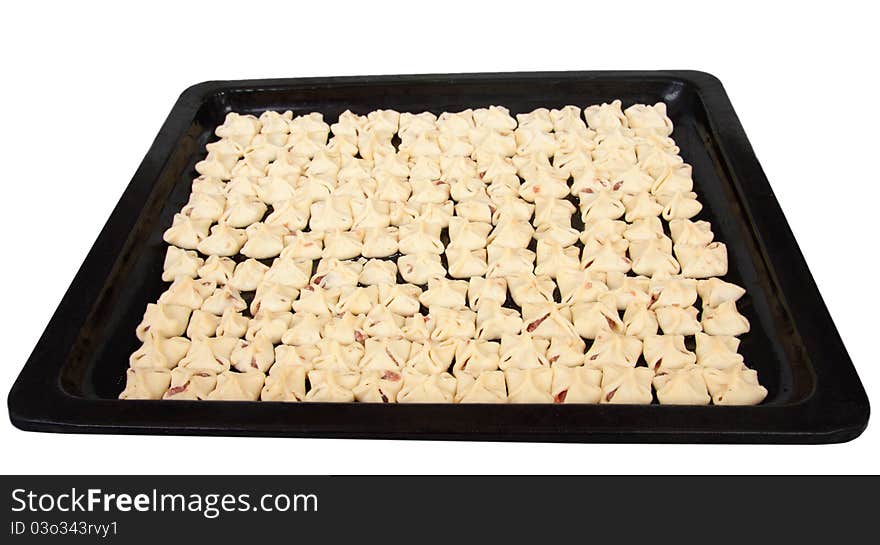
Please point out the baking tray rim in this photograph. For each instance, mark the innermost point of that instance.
(836, 411)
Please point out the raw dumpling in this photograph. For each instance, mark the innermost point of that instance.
(488, 387)
(232, 386)
(144, 383)
(626, 385)
(529, 385)
(717, 351)
(724, 320)
(685, 386)
(419, 388)
(576, 385)
(737, 385)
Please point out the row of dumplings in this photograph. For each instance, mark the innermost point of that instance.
(674, 375)
(481, 249)
(589, 302)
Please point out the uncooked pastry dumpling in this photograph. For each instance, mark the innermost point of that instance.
(187, 292)
(233, 386)
(163, 320)
(421, 267)
(336, 273)
(449, 323)
(594, 318)
(419, 388)
(613, 349)
(420, 237)
(576, 385)
(639, 321)
(378, 272)
(605, 117)
(476, 357)
(186, 232)
(273, 297)
(444, 293)
(189, 384)
(715, 291)
(466, 263)
(211, 354)
(380, 242)
(431, 357)
(737, 385)
(285, 383)
(567, 351)
(685, 386)
(646, 119)
(495, 321)
(223, 298)
(243, 210)
(678, 320)
(270, 325)
(628, 290)
(232, 324)
(316, 300)
(667, 352)
(288, 271)
(507, 262)
(381, 322)
(580, 286)
(486, 289)
(488, 387)
(691, 233)
(724, 319)
(523, 351)
(224, 241)
(528, 288)
(679, 205)
(548, 320)
(626, 385)
(335, 356)
(529, 385)
(145, 383)
(180, 263)
(202, 324)
(674, 290)
(332, 386)
(253, 355)
(717, 351)
(305, 329)
(303, 245)
(402, 299)
(385, 354)
(217, 269)
(702, 261)
(378, 387)
(343, 244)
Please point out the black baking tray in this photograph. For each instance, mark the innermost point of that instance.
(71, 380)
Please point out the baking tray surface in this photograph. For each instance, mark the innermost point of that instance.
(71, 381)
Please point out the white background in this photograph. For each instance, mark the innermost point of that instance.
(85, 89)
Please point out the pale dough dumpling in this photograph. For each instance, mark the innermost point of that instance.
(164, 320)
(626, 385)
(232, 386)
(189, 384)
(145, 383)
(488, 387)
(419, 388)
(737, 385)
(724, 319)
(685, 386)
(576, 385)
(529, 385)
